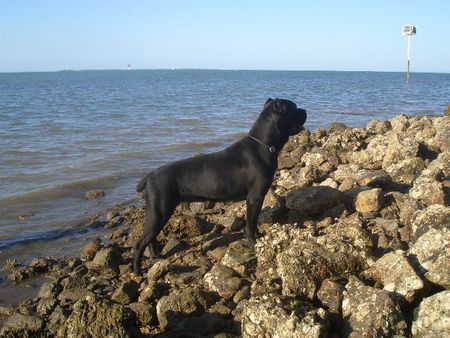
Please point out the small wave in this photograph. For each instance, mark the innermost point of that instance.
(191, 146)
(43, 236)
(59, 191)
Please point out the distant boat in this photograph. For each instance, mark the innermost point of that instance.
(129, 67)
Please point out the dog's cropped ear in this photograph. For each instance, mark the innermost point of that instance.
(266, 105)
(279, 107)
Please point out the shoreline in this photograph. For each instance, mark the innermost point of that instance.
(345, 206)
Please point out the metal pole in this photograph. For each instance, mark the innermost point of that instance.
(409, 57)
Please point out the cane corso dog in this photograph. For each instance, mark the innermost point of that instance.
(243, 171)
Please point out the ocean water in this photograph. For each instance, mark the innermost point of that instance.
(63, 133)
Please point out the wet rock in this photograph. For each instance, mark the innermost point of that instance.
(434, 216)
(145, 312)
(240, 256)
(50, 290)
(394, 272)
(114, 222)
(378, 127)
(19, 325)
(94, 193)
(45, 306)
(180, 304)
(272, 316)
(338, 127)
(223, 280)
(313, 200)
(106, 258)
(69, 296)
(432, 317)
(94, 317)
(370, 312)
(126, 293)
(369, 201)
(56, 320)
(91, 249)
(430, 255)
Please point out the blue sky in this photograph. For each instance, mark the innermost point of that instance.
(229, 34)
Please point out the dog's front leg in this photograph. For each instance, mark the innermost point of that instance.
(254, 205)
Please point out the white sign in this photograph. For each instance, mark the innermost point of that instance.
(409, 30)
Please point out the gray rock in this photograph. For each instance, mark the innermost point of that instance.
(93, 317)
(370, 312)
(430, 255)
(396, 275)
(313, 200)
(126, 293)
(272, 316)
(181, 303)
(432, 317)
(223, 280)
(19, 325)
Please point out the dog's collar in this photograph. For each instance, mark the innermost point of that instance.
(271, 149)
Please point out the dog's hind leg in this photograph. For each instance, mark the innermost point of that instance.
(157, 213)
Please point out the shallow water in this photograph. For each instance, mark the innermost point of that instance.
(64, 133)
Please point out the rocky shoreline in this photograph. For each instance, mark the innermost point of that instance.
(354, 242)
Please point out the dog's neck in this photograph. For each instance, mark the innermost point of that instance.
(266, 131)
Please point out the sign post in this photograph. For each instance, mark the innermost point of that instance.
(408, 31)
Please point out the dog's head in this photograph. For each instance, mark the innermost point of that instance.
(290, 119)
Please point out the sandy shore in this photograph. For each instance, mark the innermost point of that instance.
(354, 240)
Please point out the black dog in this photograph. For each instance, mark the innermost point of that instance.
(244, 170)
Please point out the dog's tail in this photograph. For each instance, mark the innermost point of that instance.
(141, 184)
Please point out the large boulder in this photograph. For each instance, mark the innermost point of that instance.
(432, 317)
(223, 280)
(181, 303)
(429, 187)
(313, 200)
(434, 216)
(274, 316)
(396, 275)
(430, 255)
(370, 312)
(19, 325)
(93, 317)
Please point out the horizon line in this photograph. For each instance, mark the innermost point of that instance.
(221, 69)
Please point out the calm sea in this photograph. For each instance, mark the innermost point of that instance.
(63, 133)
